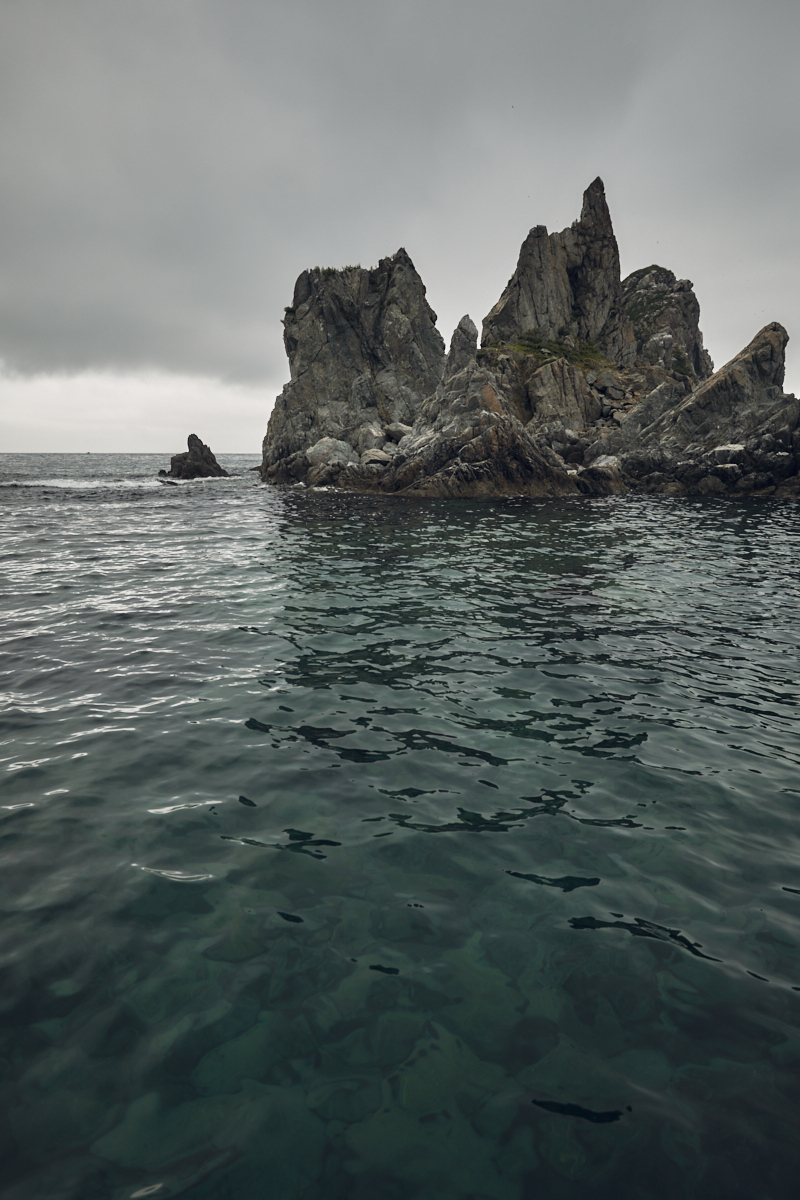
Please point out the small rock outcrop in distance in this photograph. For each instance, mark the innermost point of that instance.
(196, 463)
(568, 285)
(584, 384)
(364, 352)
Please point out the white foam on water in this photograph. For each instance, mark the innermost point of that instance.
(83, 485)
(175, 876)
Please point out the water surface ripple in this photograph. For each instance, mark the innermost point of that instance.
(370, 849)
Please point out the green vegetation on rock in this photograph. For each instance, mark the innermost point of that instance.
(328, 272)
(534, 344)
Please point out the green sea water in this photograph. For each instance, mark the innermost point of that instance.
(372, 849)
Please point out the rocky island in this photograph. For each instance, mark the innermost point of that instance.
(584, 383)
(198, 462)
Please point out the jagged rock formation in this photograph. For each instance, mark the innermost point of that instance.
(584, 384)
(196, 463)
(568, 285)
(466, 441)
(737, 430)
(364, 352)
(665, 316)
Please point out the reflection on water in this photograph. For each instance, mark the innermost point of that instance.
(237, 965)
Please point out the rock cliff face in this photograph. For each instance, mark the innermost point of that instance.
(665, 316)
(466, 441)
(584, 384)
(196, 463)
(568, 284)
(736, 431)
(364, 352)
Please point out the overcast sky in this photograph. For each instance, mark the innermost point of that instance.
(168, 167)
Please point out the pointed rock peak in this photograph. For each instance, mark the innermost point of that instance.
(776, 328)
(466, 327)
(400, 258)
(568, 283)
(463, 346)
(595, 207)
(767, 354)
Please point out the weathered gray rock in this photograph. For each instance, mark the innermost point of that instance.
(741, 398)
(375, 456)
(463, 347)
(330, 450)
(371, 437)
(196, 463)
(665, 315)
(736, 430)
(558, 392)
(568, 285)
(364, 352)
(397, 431)
(467, 441)
(733, 431)
(582, 384)
(628, 436)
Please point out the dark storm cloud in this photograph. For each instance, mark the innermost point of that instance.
(167, 169)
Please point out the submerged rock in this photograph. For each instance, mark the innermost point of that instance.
(197, 462)
(583, 384)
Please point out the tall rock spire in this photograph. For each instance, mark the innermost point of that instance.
(363, 350)
(568, 284)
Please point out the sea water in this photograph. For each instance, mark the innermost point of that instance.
(361, 848)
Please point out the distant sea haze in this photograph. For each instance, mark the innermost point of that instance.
(103, 410)
(359, 847)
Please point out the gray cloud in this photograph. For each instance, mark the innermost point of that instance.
(166, 170)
